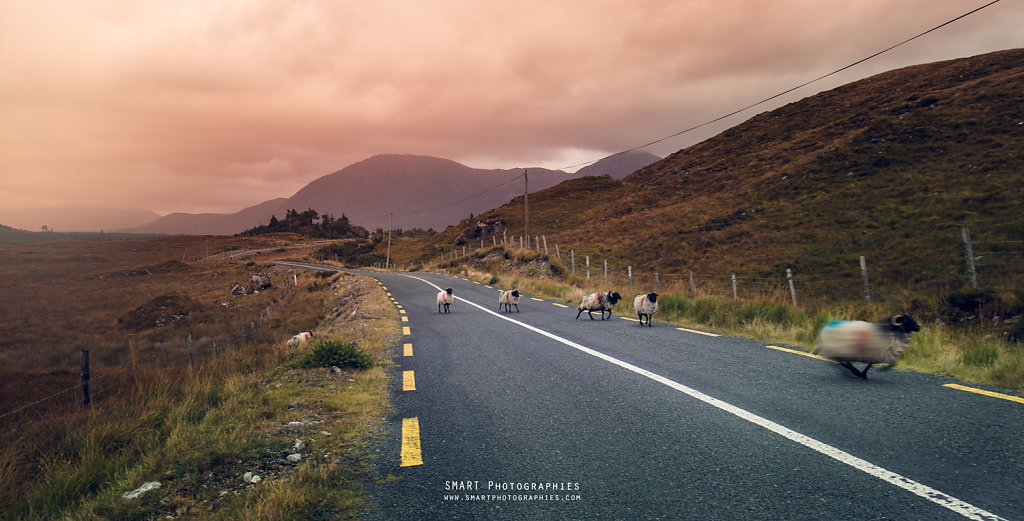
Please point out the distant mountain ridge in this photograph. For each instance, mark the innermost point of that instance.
(421, 191)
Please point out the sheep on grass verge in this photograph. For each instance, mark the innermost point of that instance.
(300, 338)
(850, 341)
(646, 305)
(601, 301)
(507, 299)
(445, 299)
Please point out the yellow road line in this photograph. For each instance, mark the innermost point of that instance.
(630, 319)
(698, 332)
(537, 299)
(408, 381)
(1017, 399)
(405, 331)
(407, 349)
(475, 282)
(802, 353)
(411, 454)
(397, 305)
(405, 319)
(489, 287)
(559, 305)
(402, 311)
(388, 294)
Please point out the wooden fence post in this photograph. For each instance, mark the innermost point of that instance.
(734, 295)
(693, 289)
(606, 271)
(630, 274)
(864, 276)
(558, 253)
(191, 360)
(85, 379)
(972, 273)
(792, 290)
(657, 283)
(545, 237)
(131, 355)
(572, 253)
(588, 267)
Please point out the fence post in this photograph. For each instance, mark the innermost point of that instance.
(629, 272)
(558, 253)
(131, 355)
(504, 237)
(792, 290)
(572, 253)
(191, 361)
(864, 276)
(606, 271)
(545, 237)
(85, 378)
(588, 267)
(216, 352)
(734, 295)
(693, 289)
(536, 240)
(972, 274)
(657, 283)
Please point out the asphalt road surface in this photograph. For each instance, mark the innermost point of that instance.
(538, 415)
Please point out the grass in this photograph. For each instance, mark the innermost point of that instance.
(197, 432)
(969, 354)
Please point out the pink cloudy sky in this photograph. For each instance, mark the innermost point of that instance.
(209, 105)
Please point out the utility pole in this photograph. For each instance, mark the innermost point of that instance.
(391, 216)
(526, 201)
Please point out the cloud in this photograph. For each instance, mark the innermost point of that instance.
(215, 105)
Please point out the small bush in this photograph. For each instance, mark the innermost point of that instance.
(979, 354)
(327, 353)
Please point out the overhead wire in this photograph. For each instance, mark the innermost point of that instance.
(787, 91)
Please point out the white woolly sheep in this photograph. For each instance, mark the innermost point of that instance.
(507, 299)
(601, 301)
(848, 341)
(445, 298)
(646, 305)
(300, 338)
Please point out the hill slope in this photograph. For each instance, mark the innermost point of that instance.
(889, 167)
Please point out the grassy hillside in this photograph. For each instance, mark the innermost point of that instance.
(889, 167)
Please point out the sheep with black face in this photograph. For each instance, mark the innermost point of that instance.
(850, 341)
(601, 301)
(445, 299)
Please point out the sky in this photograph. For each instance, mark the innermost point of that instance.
(216, 105)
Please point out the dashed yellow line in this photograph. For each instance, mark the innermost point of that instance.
(407, 350)
(559, 305)
(402, 311)
(1017, 399)
(405, 319)
(406, 331)
(408, 380)
(411, 454)
(697, 332)
(801, 353)
(630, 319)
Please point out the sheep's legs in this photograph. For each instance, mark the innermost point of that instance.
(862, 373)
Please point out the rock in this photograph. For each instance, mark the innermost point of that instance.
(294, 458)
(295, 425)
(237, 289)
(146, 487)
(298, 445)
(258, 283)
(249, 477)
(325, 433)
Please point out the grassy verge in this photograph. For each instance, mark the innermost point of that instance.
(198, 433)
(968, 355)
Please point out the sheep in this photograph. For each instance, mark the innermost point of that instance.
(854, 341)
(645, 306)
(445, 298)
(300, 338)
(601, 301)
(507, 299)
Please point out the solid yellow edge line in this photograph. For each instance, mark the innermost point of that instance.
(698, 332)
(408, 381)
(1017, 399)
(407, 350)
(801, 353)
(411, 454)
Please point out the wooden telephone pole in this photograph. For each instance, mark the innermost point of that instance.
(388, 261)
(526, 202)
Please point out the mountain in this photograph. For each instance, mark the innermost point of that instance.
(889, 167)
(421, 192)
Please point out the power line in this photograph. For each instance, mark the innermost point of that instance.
(787, 91)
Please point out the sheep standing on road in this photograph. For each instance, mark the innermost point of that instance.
(507, 299)
(847, 341)
(445, 299)
(601, 301)
(645, 306)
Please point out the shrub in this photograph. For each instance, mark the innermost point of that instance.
(327, 353)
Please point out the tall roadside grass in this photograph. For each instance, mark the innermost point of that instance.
(197, 432)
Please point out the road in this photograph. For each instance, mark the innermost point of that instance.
(538, 415)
